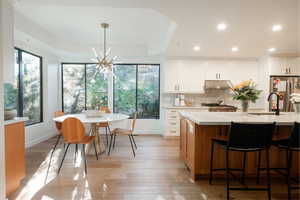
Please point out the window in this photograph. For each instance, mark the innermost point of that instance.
(28, 72)
(83, 88)
(136, 89)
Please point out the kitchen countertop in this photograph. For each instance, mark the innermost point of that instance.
(225, 118)
(15, 120)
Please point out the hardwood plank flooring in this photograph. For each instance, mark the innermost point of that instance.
(156, 173)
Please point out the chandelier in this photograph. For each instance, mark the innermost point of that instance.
(104, 62)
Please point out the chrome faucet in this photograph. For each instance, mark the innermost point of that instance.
(277, 112)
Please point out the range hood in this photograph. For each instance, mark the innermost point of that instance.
(217, 84)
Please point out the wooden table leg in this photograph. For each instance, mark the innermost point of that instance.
(99, 143)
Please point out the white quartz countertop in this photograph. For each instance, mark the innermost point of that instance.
(15, 120)
(225, 118)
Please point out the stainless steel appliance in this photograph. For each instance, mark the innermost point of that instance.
(284, 86)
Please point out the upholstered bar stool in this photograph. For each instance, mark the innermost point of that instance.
(291, 145)
(244, 138)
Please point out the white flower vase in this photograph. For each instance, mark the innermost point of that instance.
(245, 105)
(297, 107)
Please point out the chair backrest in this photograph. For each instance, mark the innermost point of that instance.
(58, 124)
(133, 122)
(243, 135)
(105, 109)
(58, 113)
(295, 136)
(73, 130)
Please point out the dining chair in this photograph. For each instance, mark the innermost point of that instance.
(73, 132)
(129, 132)
(105, 125)
(59, 134)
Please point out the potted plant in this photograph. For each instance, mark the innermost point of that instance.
(295, 99)
(10, 101)
(245, 92)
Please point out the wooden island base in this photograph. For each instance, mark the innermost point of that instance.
(195, 149)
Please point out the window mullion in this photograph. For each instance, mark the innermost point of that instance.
(136, 88)
(85, 88)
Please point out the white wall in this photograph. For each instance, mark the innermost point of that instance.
(42, 131)
(8, 40)
(6, 19)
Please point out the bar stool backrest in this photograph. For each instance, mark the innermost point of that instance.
(250, 135)
(295, 136)
(73, 130)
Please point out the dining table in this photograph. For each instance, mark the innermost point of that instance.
(93, 122)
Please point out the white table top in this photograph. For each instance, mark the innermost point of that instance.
(111, 117)
(225, 118)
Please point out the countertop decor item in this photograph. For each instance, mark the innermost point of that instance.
(295, 99)
(246, 92)
(10, 101)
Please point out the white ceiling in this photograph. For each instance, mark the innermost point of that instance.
(168, 27)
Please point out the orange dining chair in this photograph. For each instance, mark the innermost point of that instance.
(105, 125)
(74, 133)
(120, 131)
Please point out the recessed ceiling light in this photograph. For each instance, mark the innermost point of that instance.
(234, 49)
(221, 26)
(272, 49)
(196, 48)
(276, 28)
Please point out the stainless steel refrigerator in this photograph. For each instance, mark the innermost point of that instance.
(285, 86)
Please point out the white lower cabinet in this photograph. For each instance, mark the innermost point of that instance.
(172, 120)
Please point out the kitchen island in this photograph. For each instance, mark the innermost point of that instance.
(197, 129)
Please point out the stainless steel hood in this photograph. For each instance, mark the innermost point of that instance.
(217, 84)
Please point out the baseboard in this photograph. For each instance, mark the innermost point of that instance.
(40, 139)
(171, 137)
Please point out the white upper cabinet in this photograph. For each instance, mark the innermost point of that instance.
(235, 71)
(284, 65)
(191, 74)
(171, 78)
(188, 75)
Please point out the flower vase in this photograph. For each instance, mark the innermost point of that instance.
(297, 107)
(245, 105)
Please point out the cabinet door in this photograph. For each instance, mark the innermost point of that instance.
(183, 139)
(279, 66)
(191, 75)
(295, 66)
(171, 75)
(14, 156)
(190, 154)
(241, 71)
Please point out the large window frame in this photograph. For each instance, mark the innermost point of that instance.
(20, 84)
(85, 81)
(136, 87)
(113, 84)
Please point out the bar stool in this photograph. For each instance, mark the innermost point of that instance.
(292, 144)
(244, 138)
(74, 133)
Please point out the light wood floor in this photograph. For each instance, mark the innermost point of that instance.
(156, 173)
